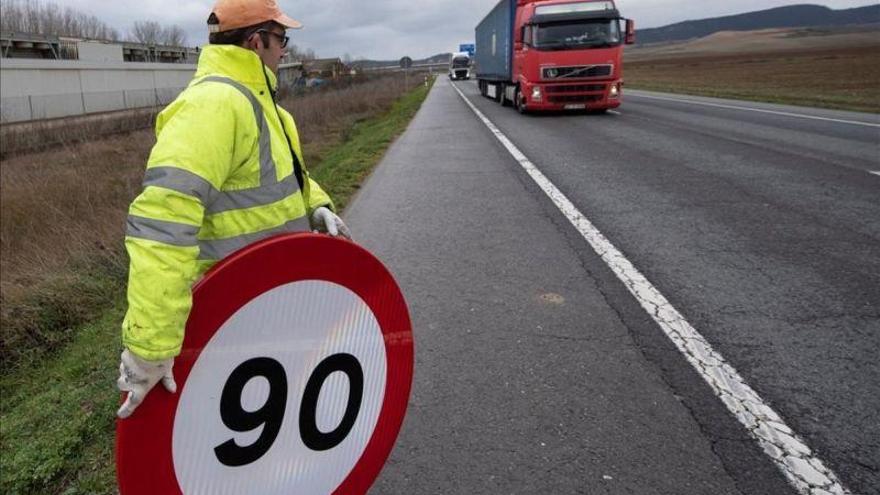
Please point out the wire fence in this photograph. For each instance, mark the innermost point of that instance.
(40, 107)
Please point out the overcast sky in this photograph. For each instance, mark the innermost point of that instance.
(390, 29)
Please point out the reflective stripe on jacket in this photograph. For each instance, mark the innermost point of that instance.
(221, 176)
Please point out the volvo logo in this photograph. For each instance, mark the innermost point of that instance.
(552, 73)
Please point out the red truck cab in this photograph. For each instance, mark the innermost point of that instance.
(566, 55)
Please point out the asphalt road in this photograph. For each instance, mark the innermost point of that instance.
(537, 371)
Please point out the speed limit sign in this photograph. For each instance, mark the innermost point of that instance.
(294, 378)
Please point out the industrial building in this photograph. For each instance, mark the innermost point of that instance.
(47, 77)
(27, 45)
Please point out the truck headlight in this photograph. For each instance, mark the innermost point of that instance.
(536, 94)
(615, 91)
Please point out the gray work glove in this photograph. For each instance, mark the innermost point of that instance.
(324, 220)
(137, 376)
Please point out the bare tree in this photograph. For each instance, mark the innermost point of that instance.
(294, 53)
(173, 35)
(34, 16)
(153, 33)
(300, 55)
(146, 32)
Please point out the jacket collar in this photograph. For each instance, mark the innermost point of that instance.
(235, 63)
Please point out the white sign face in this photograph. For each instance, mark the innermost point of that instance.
(287, 393)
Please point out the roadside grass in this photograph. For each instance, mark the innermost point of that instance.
(344, 168)
(838, 78)
(57, 424)
(57, 419)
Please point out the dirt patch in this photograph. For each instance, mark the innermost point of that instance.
(552, 298)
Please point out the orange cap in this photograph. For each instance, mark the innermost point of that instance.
(234, 14)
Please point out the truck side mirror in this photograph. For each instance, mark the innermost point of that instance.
(630, 32)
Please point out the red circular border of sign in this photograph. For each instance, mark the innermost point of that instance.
(144, 457)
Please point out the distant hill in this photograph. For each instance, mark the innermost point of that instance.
(436, 59)
(781, 17)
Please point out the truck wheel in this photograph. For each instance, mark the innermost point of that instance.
(502, 95)
(518, 103)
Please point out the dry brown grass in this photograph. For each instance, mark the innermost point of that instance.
(843, 78)
(324, 117)
(61, 220)
(27, 137)
(62, 214)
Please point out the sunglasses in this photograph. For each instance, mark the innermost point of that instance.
(282, 38)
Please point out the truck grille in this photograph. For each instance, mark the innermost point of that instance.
(575, 88)
(574, 98)
(577, 72)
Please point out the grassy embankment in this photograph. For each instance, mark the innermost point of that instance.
(64, 277)
(830, 76)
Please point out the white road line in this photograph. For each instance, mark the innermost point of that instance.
(761, 110)
(614, 112)
(802, 469)
(875, 172)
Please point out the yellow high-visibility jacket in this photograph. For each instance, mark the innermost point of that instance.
(221, 176)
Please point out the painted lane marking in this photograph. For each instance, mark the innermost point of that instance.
(788, 451)
(775, 112)
(875, 172)
(614, 112)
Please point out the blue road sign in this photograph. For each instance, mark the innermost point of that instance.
(470, 48)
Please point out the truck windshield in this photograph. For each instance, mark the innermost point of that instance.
(460, 63)
(577, 34)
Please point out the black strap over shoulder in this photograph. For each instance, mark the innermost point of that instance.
(297, 166)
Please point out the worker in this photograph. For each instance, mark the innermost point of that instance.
(226, 171)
